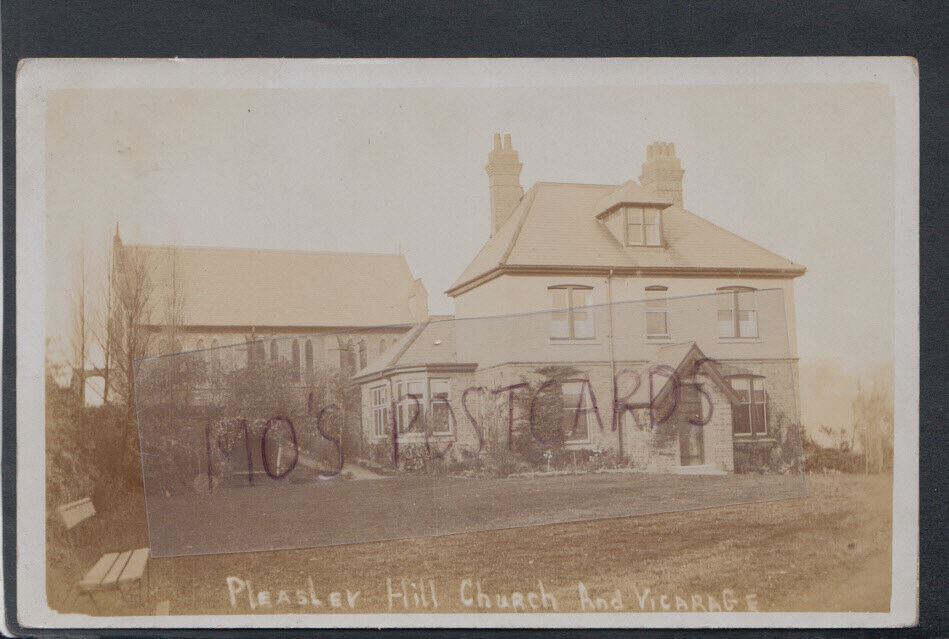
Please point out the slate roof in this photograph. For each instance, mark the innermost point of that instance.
(254, 287)
(431, 343)
(556, 225)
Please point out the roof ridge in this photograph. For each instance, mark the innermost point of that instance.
(248, 249)
(587, 184)
(529, 204)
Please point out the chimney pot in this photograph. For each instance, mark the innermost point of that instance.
(662, 173)
(504, 177)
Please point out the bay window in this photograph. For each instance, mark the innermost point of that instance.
(424, 404)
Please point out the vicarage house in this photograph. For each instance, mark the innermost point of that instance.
(653, 306)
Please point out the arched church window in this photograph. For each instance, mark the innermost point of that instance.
(295, 355)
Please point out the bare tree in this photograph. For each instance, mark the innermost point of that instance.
(133, 286)
(102, 328)
(80, 329)
(873, 419)
(172, 310)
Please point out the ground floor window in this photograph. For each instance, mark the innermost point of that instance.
(424, 405)
(749, 415)
(380, 410)
(577, 406)
(411, 405)
(440, 406)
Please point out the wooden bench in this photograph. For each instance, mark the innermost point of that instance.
(114, 571)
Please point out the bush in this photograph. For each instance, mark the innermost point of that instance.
(380, 453)
(90, 452)
(783, 455)
(822, 459)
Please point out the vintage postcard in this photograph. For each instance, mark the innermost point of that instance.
(512, 343)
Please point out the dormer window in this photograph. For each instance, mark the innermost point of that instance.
(643, 226)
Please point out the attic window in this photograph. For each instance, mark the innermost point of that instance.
(643, 226)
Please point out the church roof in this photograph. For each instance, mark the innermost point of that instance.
(555, 225)
(260, 288)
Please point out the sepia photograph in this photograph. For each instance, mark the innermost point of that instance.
(536, 342)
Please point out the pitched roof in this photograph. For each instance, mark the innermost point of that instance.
(685, 359)
(431, 343)
(556, 225)
(254, 287)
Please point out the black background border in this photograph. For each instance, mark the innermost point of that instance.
(432, 28)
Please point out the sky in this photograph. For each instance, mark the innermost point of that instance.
(804, 170)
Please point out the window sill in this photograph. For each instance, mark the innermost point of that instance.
(754, 439)
(658, 339)
(739, 340)
(577, 341)
(413, 438)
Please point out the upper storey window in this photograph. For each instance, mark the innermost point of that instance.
(572, 316)
(643, 226)
(737, 315)
(657, 313)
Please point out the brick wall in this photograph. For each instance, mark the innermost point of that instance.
(647, 450)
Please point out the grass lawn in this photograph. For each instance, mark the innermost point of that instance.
(325, 513)
(828, 551)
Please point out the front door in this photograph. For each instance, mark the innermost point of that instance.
(691, 442)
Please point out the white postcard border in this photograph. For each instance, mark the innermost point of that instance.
(36, 77)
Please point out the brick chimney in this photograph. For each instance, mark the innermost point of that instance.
(662, 172)
(504, 176)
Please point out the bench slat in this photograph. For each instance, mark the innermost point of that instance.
(72, 504)
(135, 567)
(113, 575)
(94, 577)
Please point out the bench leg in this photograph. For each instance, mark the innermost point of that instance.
(95, 604)
(72, 596)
